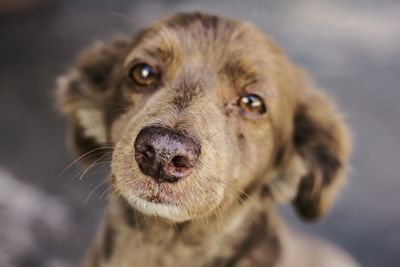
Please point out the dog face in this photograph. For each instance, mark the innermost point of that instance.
(201, 110)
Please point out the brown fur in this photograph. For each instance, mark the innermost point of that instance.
(223, 213)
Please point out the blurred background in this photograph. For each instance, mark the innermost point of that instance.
(351, 48)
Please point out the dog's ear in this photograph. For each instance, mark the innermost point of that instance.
(320, 147)
(85, 93)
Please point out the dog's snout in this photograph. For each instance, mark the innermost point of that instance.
(165, 155)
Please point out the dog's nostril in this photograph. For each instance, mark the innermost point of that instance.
(181, 162)
(144, 154)
(148, 152)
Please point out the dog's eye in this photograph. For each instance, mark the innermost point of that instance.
(144, 75)
(252, 103)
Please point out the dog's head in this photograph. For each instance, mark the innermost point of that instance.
(202, 110)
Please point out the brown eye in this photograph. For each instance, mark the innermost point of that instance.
(144, 75)
(252, 104)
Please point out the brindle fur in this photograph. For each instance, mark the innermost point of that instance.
(223, 214)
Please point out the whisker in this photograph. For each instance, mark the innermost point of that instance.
(82, 157)
(71, 179)
(93, 165)
(94, 190)
(108, 189)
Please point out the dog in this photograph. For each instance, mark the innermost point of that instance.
(209, 125)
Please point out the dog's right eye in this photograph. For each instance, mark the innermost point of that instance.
(144, 75)
(252, 103)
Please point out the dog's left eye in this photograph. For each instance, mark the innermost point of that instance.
(252, 103)
(144, 75)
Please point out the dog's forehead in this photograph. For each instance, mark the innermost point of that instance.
(199, 39)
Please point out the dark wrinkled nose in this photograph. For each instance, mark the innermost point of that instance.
(165, 155)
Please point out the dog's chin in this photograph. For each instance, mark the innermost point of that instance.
(170, 202)
(176, 213)
(169, 212)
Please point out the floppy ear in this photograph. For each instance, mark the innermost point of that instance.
(321, 147)
(85, 93)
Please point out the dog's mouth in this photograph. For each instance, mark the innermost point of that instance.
(177, 202)
(154, 198)
(170, 212)
(164, 200)
(158, 193)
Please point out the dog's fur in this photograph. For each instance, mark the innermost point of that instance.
(222, 214)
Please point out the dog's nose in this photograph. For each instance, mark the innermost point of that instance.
(165, 155)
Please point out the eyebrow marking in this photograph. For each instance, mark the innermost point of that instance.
(239, 70)
(141, 35)
(162, 54)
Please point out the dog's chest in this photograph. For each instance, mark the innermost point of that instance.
(165, 248)
(129, 241)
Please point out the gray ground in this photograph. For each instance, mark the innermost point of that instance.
(352, 48)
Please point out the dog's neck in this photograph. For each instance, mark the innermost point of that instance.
(245, 237)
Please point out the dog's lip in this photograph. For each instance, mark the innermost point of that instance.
(153, 197)
(172, 212)
(158, 193)
(172, 201)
